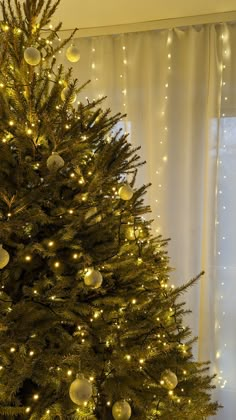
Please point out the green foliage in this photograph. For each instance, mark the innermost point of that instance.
(57, 224)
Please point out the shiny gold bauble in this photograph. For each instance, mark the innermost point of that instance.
(169, 379)
(65, 93)
(121, 410)
(80, 391)
(93, 278)
(55, 162)
(125, 192)
(4, 257)
(32, 56)
(72, 54)
(131, 234)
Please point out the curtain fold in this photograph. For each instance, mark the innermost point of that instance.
(178, 89)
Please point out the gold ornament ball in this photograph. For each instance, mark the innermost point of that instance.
(91, 212)
(93, 278)
(169, 379)
(32, 56)
(73, 54)
(125, 192)
(65, 93)
(121, 410)
(80, 391)
(4, 257)
(131, 233)
(55, 162)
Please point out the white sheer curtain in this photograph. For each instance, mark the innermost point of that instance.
(178, 88)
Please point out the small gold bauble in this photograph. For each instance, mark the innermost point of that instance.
(131, 233)
(121, 410)
(125, 192)
(32, 56)
(4, 257)
(80, 391)
(65, 93)
(72, 54)
(55, 162)
(93, 278)
(169, 379)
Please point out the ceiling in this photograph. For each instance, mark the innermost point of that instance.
(97, 13)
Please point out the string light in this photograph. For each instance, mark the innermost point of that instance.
(220, 196)
(163, 156)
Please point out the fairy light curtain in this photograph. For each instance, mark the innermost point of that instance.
(178, 88)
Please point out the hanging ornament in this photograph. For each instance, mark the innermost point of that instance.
(131, 233)
(80, 391)
(125, 192)
(91, 212)
(65, 93)
(4, 257)
(32, 56)
(169, 379)
(93, 278)
(121, 410)
(55, 162)
(72, 54)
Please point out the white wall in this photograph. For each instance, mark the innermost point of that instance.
(94, 13)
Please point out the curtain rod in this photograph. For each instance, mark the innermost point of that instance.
(229, 17)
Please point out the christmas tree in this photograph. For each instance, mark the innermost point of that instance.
(90, 327)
